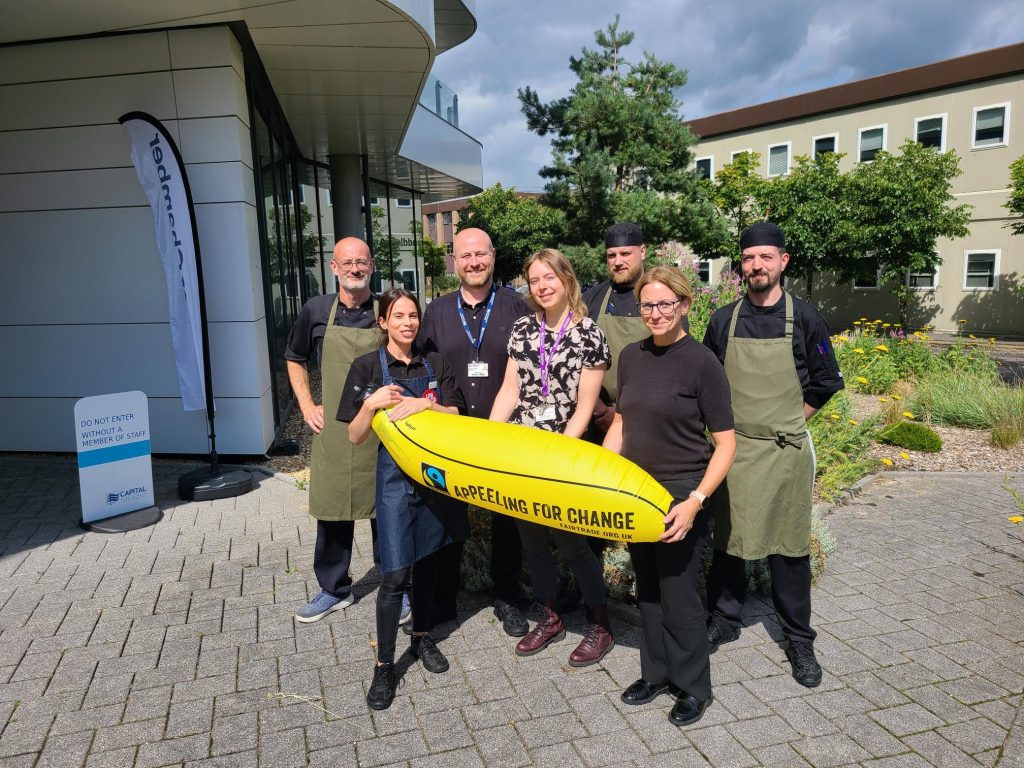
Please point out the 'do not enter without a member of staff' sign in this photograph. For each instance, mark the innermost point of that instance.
(115, 466)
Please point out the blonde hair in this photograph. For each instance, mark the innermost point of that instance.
(672, 278)
(564, 272)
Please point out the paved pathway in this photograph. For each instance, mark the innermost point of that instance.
(175, 645)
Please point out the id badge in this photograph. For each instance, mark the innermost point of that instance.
(544, 413)
(478, 370)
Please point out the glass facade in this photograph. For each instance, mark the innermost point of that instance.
(396, 234)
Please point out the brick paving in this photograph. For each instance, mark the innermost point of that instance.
(175, 645)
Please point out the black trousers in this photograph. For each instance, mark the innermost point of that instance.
(332, 555)
(791, 592)
(674, 647)
(424, 573)
(506, 564)
(573, 548)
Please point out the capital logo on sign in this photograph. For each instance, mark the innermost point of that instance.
(434, 477)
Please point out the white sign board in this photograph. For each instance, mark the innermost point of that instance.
(115, 466)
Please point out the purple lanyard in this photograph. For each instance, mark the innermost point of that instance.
(548, 355)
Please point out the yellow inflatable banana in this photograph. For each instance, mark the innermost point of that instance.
(528, 474)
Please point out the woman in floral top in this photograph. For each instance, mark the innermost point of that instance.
(557, 359)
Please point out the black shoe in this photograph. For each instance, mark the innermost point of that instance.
(425, 649)
(806, 669)
(382, 689)
(512, 620)
(719, 632)
(688, 709)
(642, 692)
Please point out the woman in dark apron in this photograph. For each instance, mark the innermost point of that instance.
(413, 523)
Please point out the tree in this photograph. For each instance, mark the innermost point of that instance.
(387, 254)
(518, 226)
(900, 205)
(1015, 205)
(811, 205)
(619, 148)
(738, 196)
(435, 268)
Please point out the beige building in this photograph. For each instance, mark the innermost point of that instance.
(972, 104)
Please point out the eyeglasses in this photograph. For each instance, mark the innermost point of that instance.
(347, 266)
(664, 307)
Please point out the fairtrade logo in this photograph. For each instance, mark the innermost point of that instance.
(113, 498)
(434, 477)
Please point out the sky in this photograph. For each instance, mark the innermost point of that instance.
(736, 53)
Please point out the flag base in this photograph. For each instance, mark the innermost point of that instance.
(204, 485)
(127, 521)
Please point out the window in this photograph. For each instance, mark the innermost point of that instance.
(868, 280)
(407, 277)
(446, 218)
(927, 280)
(734, 155)
(991, 126)
(403, 202)
(778, 159)
(822, 144)
(931, 132)
(981, 270)
(704, 271)
(374, 202)
(432, 225)
(872, 141)
(302, 193)
(705, 167)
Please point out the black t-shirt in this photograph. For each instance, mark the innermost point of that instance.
(621, 301)
(442, 332)
(366, 372)
(667, 396)
(816, 364)
(307, 335)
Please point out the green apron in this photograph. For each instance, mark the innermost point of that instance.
(764, 507)
(619, 331)
(341, 478)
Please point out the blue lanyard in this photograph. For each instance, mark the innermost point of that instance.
(477, 342)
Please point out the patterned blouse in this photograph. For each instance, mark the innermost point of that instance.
(582, 346)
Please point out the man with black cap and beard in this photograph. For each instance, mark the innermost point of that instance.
(781, 370)
(612, 305)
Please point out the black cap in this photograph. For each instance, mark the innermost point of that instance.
(625, 233)
(762, 233)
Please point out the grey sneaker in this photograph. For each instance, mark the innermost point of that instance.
(406, 609)
(321, 605)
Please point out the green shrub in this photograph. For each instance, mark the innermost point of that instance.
(976, 401)
(912, 436)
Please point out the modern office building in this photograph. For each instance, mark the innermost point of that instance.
(972, 104)
(299, 123)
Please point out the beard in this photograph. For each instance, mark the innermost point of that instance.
(761, 283)
(627, 277)
(355, 283)
(475, 279)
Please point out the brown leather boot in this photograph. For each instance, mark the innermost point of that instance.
(597, 640)
(548, 630)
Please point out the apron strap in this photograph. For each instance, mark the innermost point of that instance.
(603, 306)
(789, 315)
(334, 310)
(385, 372)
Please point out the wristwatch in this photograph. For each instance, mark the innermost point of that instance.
(702, 500)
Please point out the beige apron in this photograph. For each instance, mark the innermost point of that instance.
(619, 331)
(341, 479)
(764, 507)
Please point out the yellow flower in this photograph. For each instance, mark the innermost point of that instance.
(908, 414)
(882, 348)
(924, 336)
(1016, 519)
(961, 321)
(847, 338)
(856, 322)
(858, 350)
(886, 325)
(896, 325)
(991, 340)
(877, 322)
(887, 462)
(904, 455)
(862, 380)
(897, 397)
(834, 417)
(854, 422)
(863, 318)
(883, 399)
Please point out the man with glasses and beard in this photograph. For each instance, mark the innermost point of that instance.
(471, 328)
(781, 371)
(335, 329)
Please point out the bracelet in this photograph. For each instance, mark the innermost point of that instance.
(702, 500)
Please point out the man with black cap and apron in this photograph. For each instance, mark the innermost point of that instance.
(781, 370)
(612, 305)
(337, 328)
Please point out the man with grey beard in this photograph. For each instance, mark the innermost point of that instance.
(335, 329)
